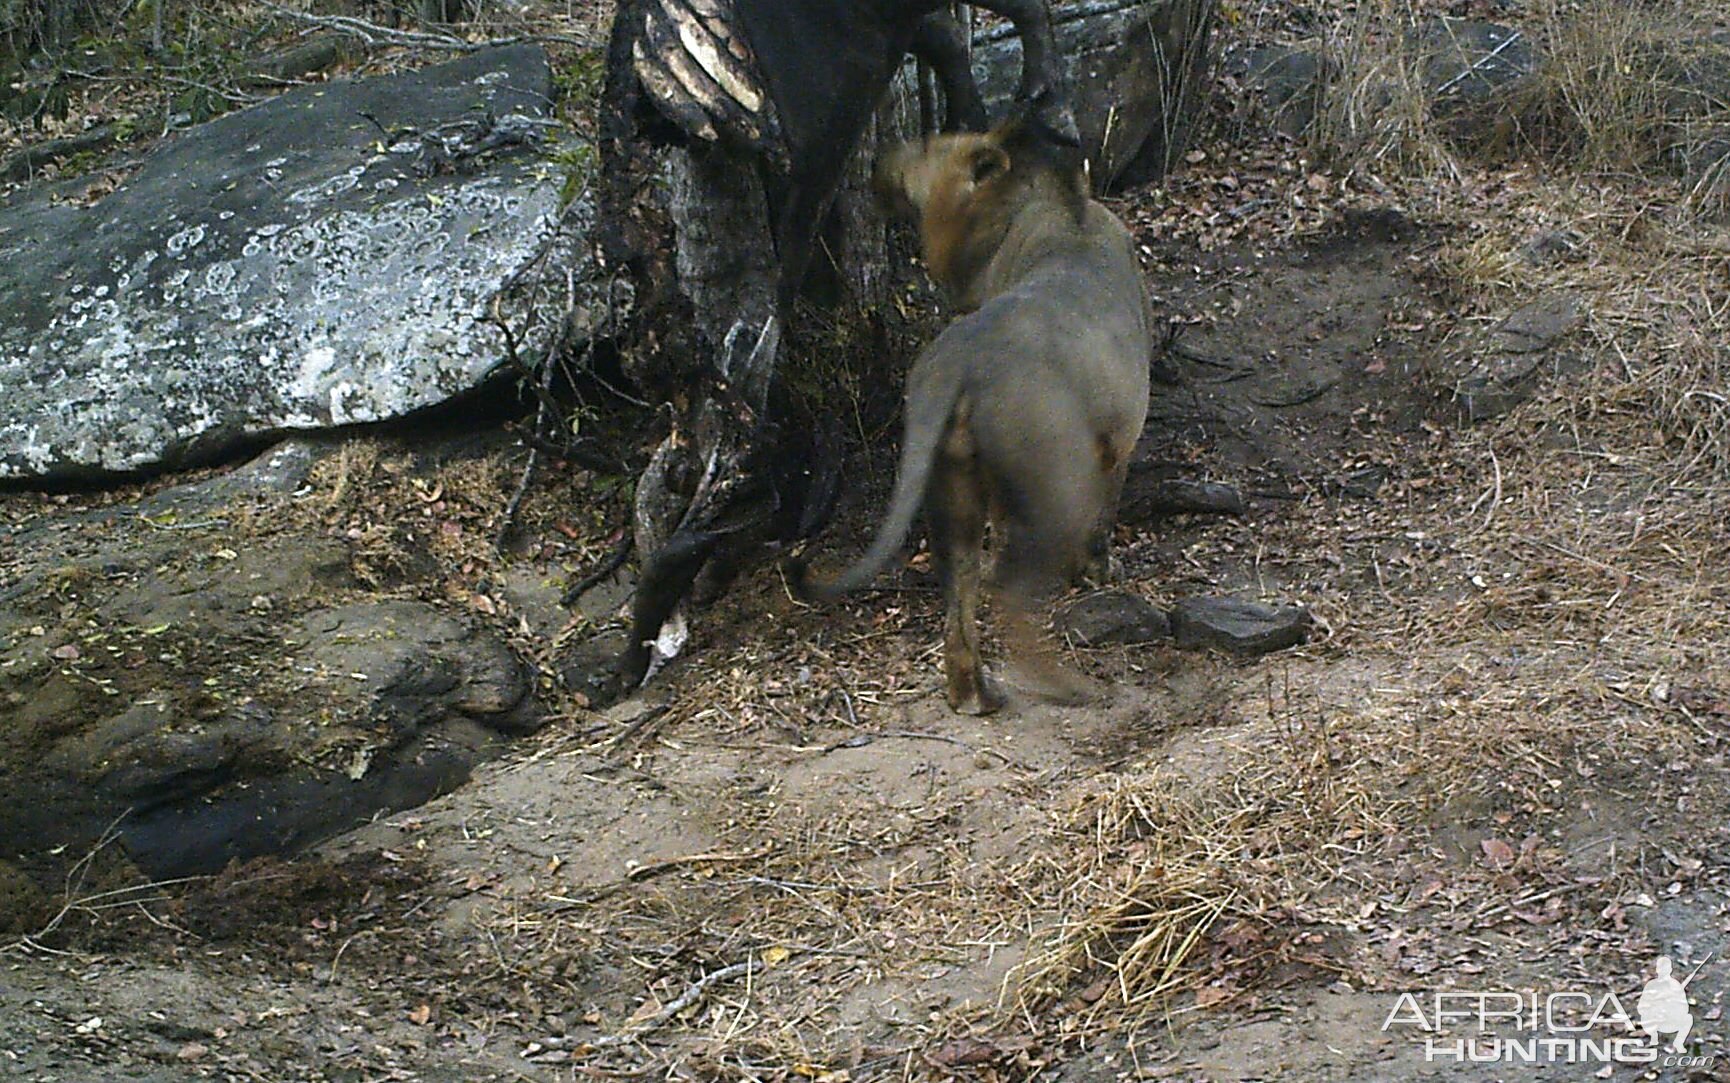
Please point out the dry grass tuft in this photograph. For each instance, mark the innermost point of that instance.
(1617, 85)
(1617, 88)
(1375, 115)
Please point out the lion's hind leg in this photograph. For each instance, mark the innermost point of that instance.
(955, 505)
(1034, 562)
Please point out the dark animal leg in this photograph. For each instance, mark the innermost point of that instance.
(795, 234)
(666, 579)
(1044, 87)
(941, 43)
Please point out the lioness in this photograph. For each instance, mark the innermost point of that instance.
(1024, 410)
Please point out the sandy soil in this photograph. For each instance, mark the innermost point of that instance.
(887, 881)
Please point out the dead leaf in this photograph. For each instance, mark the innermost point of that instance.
(1209, 995)
(420, 1014)
(1501, 855)
(965, 1051)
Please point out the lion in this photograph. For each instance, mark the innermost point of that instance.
(1024, 411)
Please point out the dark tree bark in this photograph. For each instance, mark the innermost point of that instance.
(436, 12)
(49, 25)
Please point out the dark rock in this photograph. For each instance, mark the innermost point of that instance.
(1497, 369)
(403, 664)
(284, 267)
(1238, 626)
(23, 905)
(1553, 246)
(1110, 617)
(1375, 225)
(289, 809)
(1135, 70)
(591, 668)
(1690, 74)
(291, 736)
(1706, 172)
(1287, 82)
(1365, 484)
(1472, 73)
(1179, 497)
(1467, 61)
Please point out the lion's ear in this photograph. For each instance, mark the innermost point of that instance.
(989, 161)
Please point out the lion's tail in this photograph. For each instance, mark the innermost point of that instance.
(928, 418)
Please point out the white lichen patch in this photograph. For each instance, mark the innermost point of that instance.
(247, 284)
(350, 316)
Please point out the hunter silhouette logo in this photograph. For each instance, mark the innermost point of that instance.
(1562, 1026)
(1663, 1006)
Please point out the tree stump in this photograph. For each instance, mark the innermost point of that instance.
(742, 466)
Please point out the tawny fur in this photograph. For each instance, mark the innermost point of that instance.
(1024, 411)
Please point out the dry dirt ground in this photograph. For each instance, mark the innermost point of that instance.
(1498, 766)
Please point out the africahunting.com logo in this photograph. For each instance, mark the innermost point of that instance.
(1562, 1027)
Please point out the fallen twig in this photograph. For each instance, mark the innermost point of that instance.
(1480, 63)
(644, 872)
(615, 560)
(860, 740)
(697, 990)
(374, 35)
(642, 722)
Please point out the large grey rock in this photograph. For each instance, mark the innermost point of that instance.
(1135, 68)
(289, 266)
(1286, 81)
(1112, 616)
(1238, 626)
(1498, 368)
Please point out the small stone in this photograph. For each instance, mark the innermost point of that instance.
(1497, 369)
(1239, 626)
(1364, 484)
(1552, 246)
(1112, 616)
(1539, 325)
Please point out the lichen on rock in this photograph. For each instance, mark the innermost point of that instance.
(294, 265)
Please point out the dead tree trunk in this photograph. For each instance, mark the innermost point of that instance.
(693, 224)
